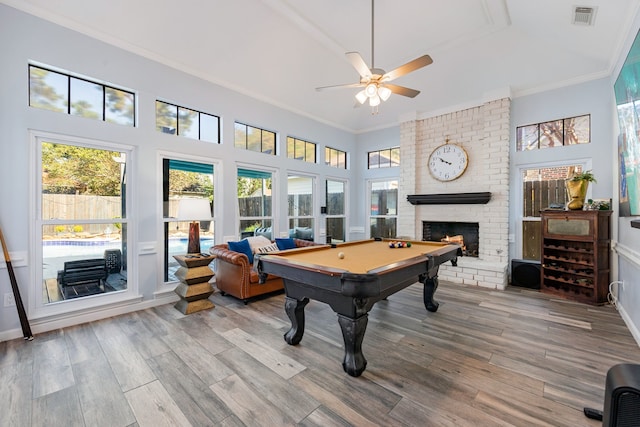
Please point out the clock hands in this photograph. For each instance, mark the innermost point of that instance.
(443, 161)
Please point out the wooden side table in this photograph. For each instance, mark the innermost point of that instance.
(194, 288)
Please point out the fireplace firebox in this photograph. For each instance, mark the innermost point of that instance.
(463, 233)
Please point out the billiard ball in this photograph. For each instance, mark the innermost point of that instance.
(340, 255)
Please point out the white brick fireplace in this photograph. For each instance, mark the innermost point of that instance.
(483, 131)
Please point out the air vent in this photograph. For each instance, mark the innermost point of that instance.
(584, 15)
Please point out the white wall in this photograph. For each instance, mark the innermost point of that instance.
(25, 38)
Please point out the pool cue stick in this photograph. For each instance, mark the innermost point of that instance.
(24, 322)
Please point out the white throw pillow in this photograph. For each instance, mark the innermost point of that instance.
(256, 242)
(269, 248)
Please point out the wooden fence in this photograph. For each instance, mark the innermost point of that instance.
(72, 206)
(539, 195)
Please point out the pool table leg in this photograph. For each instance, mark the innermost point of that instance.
(295, 310)
(354, 362)
(430, 286)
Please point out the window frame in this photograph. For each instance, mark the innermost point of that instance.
(329, 153)
(176, 131)
(379, 153)
(274, 208)
(519, 217)
(308, 147)
(68, 94)
(520, 146)
(163, 261)
(246, 144)
(292, 220)
(37, 306)
(370, 185)
(329, 215)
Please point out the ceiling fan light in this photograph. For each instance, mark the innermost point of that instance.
(371, 90)
(384, 93)
(361, 96)
(374, 101)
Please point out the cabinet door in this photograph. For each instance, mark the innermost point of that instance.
(570, 226)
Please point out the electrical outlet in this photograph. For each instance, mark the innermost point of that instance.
(9, 300)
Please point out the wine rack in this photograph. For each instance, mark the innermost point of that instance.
(576, 248)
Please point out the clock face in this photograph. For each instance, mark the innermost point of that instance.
(448, 162)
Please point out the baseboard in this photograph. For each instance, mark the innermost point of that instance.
(71, 319)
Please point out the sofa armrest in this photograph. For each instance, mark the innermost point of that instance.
(222, 253)
(303, 243)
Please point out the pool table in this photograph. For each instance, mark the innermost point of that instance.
(351, 277)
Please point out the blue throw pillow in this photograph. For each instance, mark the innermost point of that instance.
(243, 247)
(284, 244)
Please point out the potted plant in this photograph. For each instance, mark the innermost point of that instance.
(577, 185)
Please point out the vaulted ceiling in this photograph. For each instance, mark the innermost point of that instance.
(279, 51)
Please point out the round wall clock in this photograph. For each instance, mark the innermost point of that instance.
(448, 162)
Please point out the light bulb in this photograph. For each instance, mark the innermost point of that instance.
(384, 93)
(374, 101)
(361, 97)
(371, 90)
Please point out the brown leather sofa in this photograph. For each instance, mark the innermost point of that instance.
(235, 276)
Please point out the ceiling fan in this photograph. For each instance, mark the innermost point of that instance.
(375, 81)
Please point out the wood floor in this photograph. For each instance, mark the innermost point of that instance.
(486, 358)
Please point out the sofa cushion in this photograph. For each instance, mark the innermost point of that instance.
(257, 242)
(285, 243)
(269, 248)
(243, 247)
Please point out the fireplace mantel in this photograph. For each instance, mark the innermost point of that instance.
(449, 198)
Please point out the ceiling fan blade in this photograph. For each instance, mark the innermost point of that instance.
(410, 66)
(319, 89)
(401, 90)
(359, 64)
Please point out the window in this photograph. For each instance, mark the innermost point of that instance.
(384, 158)
(383, 208)
(300, 207)
(542, 188)
(556, 133)
(335, 158)
(63, 93)
(184, 179)
(336, 215)
(186, 122)
(301, 150)
(82, 223)
(255, 139)
(254, 203)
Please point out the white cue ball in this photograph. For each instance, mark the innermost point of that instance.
(340, 255)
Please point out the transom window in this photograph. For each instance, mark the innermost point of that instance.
(254, 139)
(176, 120)
(335, 158)
(301, 150)
(55, 91)
(384, 158)
(555, 133)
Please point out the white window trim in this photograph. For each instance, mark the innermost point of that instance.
(37, 309)
(157, 248)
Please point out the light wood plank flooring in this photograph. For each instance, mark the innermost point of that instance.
(486, 358)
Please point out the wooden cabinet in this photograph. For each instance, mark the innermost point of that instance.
(576, 253)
